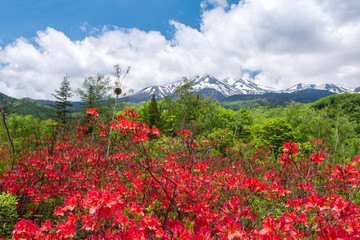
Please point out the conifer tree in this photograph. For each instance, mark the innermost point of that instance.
(63, 107)
(154, 113)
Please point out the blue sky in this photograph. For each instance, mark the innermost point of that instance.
(284, 42)
(23, 18)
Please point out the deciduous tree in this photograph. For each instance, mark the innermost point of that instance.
(95, 92)
(273, 132)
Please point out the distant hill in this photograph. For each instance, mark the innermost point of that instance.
(24, 106)
(346, 103)
(75, 105)
(248, 101)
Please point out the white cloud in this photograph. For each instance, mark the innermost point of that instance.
(83, 27)
(306, 41)
(216, 3)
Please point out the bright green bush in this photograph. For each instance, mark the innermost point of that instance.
(8, 214)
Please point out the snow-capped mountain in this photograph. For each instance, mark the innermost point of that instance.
(159, 91)
(327, 86)
(247, 86)
(208, 85)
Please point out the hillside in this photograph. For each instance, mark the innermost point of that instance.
(346, 103)
(24, 106)
(250, 101)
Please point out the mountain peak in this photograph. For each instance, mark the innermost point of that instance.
(325, 86)
(247, 87)
(206, 85)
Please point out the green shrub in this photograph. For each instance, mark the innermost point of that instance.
(8, 214)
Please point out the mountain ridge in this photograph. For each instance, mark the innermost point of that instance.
(325, 86)
(208, 85)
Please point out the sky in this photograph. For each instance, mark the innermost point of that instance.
(276, 43)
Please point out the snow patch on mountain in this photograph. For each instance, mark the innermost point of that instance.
(247, 86)
(326, 86)
(210, 82)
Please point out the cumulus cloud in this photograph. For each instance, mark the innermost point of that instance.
(286, 42)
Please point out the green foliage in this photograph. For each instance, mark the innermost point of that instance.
(182, 113)
(95, 94)
(309, 123)
(239, 104)
(25, 131)
(215, 117)
(349, 103)
(187, 105)
(143, 112)
(273, 132)
(224, 140)
(8, 214)
(24, 106)
(169, 114)
(244, 123)
(154, 113)
(334, 125)
(259, 114)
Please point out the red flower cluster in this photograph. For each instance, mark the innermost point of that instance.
(93, 112)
